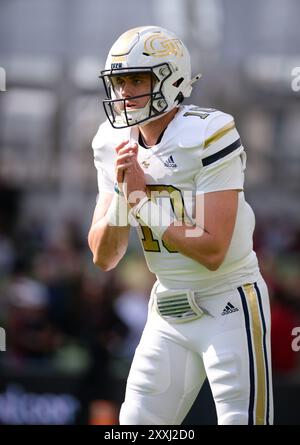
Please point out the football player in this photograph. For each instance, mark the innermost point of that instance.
(176, 172)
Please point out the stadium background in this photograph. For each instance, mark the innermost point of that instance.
(70, 329)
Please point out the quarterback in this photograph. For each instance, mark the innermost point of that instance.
(175, 172)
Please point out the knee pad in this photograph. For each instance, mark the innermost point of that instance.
(137, 415)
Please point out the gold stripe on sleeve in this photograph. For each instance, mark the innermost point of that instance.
(219, 134)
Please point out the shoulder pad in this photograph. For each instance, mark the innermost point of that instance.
(222, 141)
(107, 134)
(106, 139)
(192, 125)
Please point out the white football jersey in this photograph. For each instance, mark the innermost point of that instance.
(200, 152)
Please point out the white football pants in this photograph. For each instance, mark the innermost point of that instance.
(230, 345)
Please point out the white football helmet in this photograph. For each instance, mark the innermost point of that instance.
(147, 49)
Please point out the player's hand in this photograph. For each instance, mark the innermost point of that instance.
(130, 176)
(123, 161)
(134, 179)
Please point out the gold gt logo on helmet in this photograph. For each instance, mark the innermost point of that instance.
(161, 46)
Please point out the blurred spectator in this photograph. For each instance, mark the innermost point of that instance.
(7, 255)
(103, 332)
(30, 334)
(10, 196)
(279, 257)
(100, 324)
(284, 319)
(132, 303)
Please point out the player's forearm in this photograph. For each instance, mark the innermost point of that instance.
(197, 244)
(108, 243)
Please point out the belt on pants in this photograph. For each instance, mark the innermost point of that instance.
(177, 306)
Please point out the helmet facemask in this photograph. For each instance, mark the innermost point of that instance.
(115, 106)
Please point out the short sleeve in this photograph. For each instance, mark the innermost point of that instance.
(102, 153)
(223, 159)
(105, 183)
(227, 175)
(103, 145)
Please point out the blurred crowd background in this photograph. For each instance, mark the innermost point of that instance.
(71, 329)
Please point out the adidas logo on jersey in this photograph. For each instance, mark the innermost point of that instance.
(229, 309)
(170, 162)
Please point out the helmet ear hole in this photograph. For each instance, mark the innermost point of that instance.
(178, 82)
